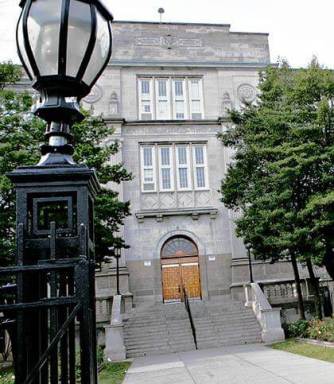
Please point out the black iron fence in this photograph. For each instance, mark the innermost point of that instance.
(47, 298)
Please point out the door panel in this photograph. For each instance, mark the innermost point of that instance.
(191, 279)
(171, 282)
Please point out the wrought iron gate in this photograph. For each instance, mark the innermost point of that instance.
(51, 297)
(49, 303)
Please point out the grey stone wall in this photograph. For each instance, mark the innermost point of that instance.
(228, 64)
(137, 42)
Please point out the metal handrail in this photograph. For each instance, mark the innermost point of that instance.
(188, 309)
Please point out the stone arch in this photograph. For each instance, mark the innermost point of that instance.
(163, 239)
(201, 256)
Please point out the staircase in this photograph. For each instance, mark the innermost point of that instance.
(158, 329)
(224, 322)
(165, 328)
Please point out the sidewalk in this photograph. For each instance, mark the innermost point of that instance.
(249, 364)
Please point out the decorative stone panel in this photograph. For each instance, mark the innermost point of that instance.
(203, 198)
(167, 200)
(185, 199)
(150, 201)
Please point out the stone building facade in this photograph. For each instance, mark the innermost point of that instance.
(166, 93)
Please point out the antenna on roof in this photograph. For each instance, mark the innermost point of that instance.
(161, 12)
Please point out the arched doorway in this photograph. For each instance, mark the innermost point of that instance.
(180, 269)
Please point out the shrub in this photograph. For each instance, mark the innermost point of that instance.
(297, 329)
(321, 330)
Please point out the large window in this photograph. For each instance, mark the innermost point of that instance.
(166, 98)
(170, 167)
(148, 169)
(146, 107)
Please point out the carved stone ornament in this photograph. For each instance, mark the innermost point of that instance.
(226, 104)
(114, 104)
(95, 95)
(246, 93)
(168, 41)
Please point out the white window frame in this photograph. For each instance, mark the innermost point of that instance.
(171, 99)
(199, 99)
(165, 99)
(204, 165)
(182, 98)
(145, 99)
(170, 167)
(178, 166)
(143, 168)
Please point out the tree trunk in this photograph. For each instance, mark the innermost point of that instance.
(329, 259)
(299, 288)
(316, 288)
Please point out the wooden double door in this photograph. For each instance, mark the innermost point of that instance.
(179, 273)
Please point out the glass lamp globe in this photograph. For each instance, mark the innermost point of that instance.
(64, 46)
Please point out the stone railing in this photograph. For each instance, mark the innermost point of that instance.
(114, 337)
(282, 292)
(269, 318)
(103, 308)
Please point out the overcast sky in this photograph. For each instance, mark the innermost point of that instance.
(298, 28)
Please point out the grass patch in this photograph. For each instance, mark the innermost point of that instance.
(113, 373)
(304, 349)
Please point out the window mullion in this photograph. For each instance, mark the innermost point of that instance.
(206, 169)
(191, 166)
(156, 169)
(187, 98)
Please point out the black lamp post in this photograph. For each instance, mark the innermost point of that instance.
(116, 253)
(250, 266)
(64, 46)
(117, 257)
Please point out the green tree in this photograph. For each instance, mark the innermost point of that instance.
(282, 176)
(20, 137)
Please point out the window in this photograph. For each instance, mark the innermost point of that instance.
(166, 98)
(182, 160)
(179, 246)
(146, 100)
(195, 99)
(171, 167)
(148, 169)
(162, 99)
(179, 99)
(166, 169)
(200, 167)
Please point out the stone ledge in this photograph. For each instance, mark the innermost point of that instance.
(320, 343)
(160, 214)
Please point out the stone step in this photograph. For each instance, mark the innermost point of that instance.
(147, 345)
(223, 323)
(163, 336)
(224, 336)
(162, 328)
(217, 333)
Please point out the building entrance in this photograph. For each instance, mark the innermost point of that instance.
(180, 269)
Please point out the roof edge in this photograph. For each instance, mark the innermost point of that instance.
(189, 23)
(170, 23)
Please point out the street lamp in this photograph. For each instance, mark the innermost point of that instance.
(250, 266)
(117, 257)
(116, 253)
(64, 46)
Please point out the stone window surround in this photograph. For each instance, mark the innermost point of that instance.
(192, 166)
(159, 215)
(156, 76)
